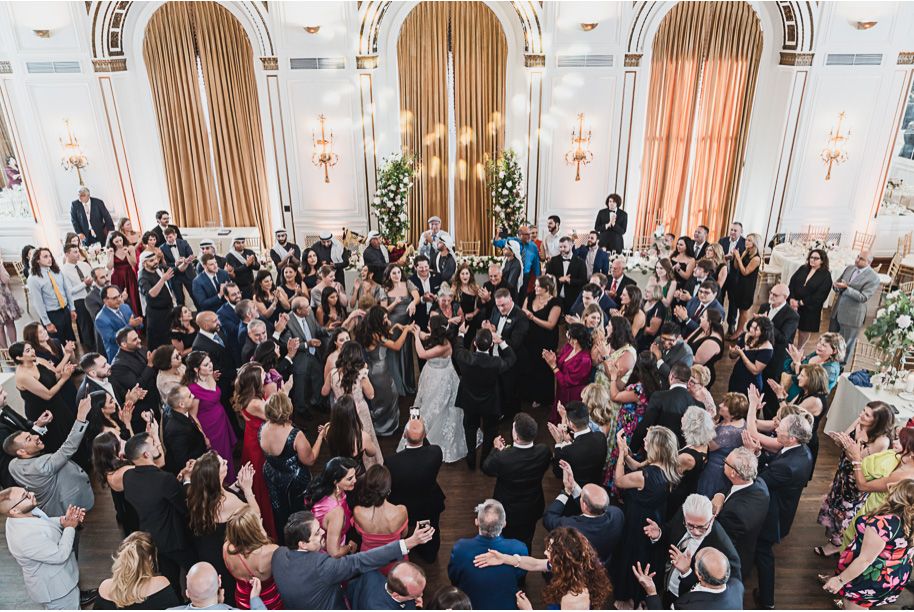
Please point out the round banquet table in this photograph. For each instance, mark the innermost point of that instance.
(790, 257)
(850, 399)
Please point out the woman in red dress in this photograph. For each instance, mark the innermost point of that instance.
(571, 367)
(249, 401)
(122, 263)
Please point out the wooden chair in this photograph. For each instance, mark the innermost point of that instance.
(904, 245)
(6, 362)
(769, 274)
(469, 247)
(210, 224)
(867, 356)
(20, 272)
(907, 288)
(863, 241)
(642, 243)
(253, 243)
(817, 232)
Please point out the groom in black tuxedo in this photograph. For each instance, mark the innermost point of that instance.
(509, 323)
(479, 391)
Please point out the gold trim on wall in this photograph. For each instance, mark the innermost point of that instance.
(796, 59)
(118, 64)
(633, 60)
(366, 62)
(7, 110)
(135, 217)
(890, 149)
(270, 63)
(273, 82)
(905, 58)
(6, 67)
(534, 60)
(365, 84)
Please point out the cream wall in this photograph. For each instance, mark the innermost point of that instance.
(782, 184)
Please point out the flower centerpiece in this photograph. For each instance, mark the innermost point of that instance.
(504, 183)
(893, 328)
(824, 245)
(479, 264)
(98, 254)
(395, 178)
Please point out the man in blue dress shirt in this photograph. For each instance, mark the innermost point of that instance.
(52, 299)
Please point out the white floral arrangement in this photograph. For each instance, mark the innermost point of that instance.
(823, 245)
(98, 255)
(888, 378)
(893, 327)
(390, 201)
(642, 262)
(505, 183)
(479, 264)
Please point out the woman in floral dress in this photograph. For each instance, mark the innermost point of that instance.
(10, 311)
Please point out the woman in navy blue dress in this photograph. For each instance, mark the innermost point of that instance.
(752, 352)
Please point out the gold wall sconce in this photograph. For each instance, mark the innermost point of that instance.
(587, 27)
(581, 154)
(73, 156)
(865, 25)
(835, 151)
(42, 33)
(312, 29)
(325, 156)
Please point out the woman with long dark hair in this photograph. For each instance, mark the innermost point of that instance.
(310, 266)
(378, 521)
(707, 341)
(350, 377)
(401, 304)
(267, 355)
(571, 367)
(330, 313)
(630, 302)
(200, 381)
(40, 386)
(683, 261)
(810, 287)
(338, 337)
(269, 301)
(109, 467)
(326, 498)
(543, 310)
(618, 353)
(54, 352)
(103, 416)
(347, 438)
(122, 262)
(374, 333)
(752, 353)
(290, 282)
(182, 329)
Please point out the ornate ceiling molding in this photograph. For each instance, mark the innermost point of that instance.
(796, 59)
(114, 64)
(366, 62)
(6, 67)
(270, 63)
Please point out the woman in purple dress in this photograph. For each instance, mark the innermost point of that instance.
(199, 379)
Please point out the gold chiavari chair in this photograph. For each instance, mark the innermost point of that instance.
(863, 241)
(642, 243)
(469, 247)
(887, 280)
(867, 356)
(253, 243)
(817, 232)
(6, 362)
(20, 272)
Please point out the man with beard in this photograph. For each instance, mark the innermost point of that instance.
(245, 263)
(153, 283)
(331, 252)
(285, 253)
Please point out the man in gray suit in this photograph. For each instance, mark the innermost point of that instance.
(309, 579)
(205, 592)
(43, 547)
(670, 348)
(306, 365)
(856, 286)
(56, 481)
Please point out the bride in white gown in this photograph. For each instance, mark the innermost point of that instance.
(438, 391)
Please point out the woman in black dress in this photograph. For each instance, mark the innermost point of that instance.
(698, 431)
(290, 283)
(466, 293)
(809, 288)
(57, 354)
(683, 261)
(109, 468)
(654, 316)
(135, 583)
(269, 300)
(39, 385)
(310, 265)
(104, 416)
(707, 342)
(543, 310)
(746, 267)
(182, 329)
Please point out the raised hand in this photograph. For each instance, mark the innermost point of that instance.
(287, 385)
(499, 443)
(125, 414)
(645, 578)
(82, 411)
(68, 370)
(751, 443)
(69, 347)
(652, 530)
(46, 417)
(73, 517)
(245, 478)
(420, 536)
(681, 561)
(567, 477)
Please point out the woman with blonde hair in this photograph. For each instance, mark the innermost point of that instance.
(125, 226)
(698, 387)
(602, 415)
(248, 554)
(746, 268)
(135, 583)
(715, 254)
(829, 353)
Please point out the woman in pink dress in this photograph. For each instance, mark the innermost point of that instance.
(376, 519)
(571, 367)
(199, 379)
(326, 498)
(122, 263)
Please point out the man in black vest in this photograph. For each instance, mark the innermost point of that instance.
(784, 320)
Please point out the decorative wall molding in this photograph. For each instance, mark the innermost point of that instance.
(534, 60)
(633, 60)
(796, 59)
(270, 63)
(115, 64)
(366, 62)
(906, 58)
(6, 67)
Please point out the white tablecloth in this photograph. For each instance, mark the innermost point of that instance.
(850, 399)
(221, 236)
(8, 382)
(791, 257)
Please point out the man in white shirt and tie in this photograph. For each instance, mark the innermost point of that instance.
(79, 279)
(306, 365)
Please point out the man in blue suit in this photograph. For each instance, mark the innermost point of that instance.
(228, 318)
(90, 218)
(734, 245)
(705, 299)
(397, 591)
(179, 256)
(209, 285)
(493, 588)
(113, 317)
(595, 258)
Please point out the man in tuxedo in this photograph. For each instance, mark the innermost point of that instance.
(489, 588)
(131, 367)
(375, 256)
(115, 316)
(160, 501)
(244, 263)
(612, 222)
(284, 253)
(208, 247)
(442, 260)
(786, 474)
(700, 244)
(179, 257)
(594, 257)
(854, 289)
(154, 285)
(667, 407)
(209, 285)
(95, 302)
(569, 271)
(414, 483)
(181, 434)
(717, 587)
(579, 447)
(11, 422)
(228, 318)
(705, 299)
(598, 521)
(784, 320)
(212, 341)
(741, 510)
(479, 392)
(331, 252)
(427, 282)
(519, 470)
(510, 324)
(691, 529)
(617, 280)
(486, 293)
(163, 222)
(90, 218)
(306, 366)
(734, 245)
(398, 591)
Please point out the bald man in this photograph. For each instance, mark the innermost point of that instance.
(204, 589)
(854, 289)
(213, 341)
(399, 591)
(599, 522)
(717, 589)
(785, 320)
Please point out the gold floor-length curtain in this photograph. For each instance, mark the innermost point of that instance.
(170, 57)
(672, 96)
(228, 72)
(422, 57)
(728, 88)
(480, 65)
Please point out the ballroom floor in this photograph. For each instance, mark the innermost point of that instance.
(797, 565)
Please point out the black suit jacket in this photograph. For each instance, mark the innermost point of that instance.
(519, 484)
(742, 517)
(422, 312)
(160, 235)
(587, 457)
(90, 386)
(479, 390)
(11, 422)
(732, 279)
(785, 328)
(130, 369)
(612, 239)
(665, 408)
(624, 282)
(674, 530)
(368, 592)
(577, 269)
(603, 532)
(814, 293)
(447, 264)
(700, 252)
(786, 474)
(99, 221)
(185, 251)
(161, 503)
(182, 439)
(730, 599)
(515, 330)
(414, 481)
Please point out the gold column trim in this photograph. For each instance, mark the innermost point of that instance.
(117, 64)
(633, 60)
(796, 59)
(366, 62)
(534, 60)
(270, 63)
(6, 67)
(905, 58)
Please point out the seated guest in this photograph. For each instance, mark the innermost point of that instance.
(599, 522)
(584, 450)
(399, 591)
(134, 582)
(688, 316)
(160, 299)
(571, 367)
(248, 554)
(667, 407)
(309, 579)
(179, 257)
(707, 342)
(245, 264)
(487, 588)
(115, 316)
(742, 506)
(752, 353)
(595, 258)
(670, 349)
(284, 253)
(519, 470)
(329, 251)
(209, 287)
(830, 353)
(698, 387)
(205, 592)
(717, 588)
(378, 521)
(44, 548)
